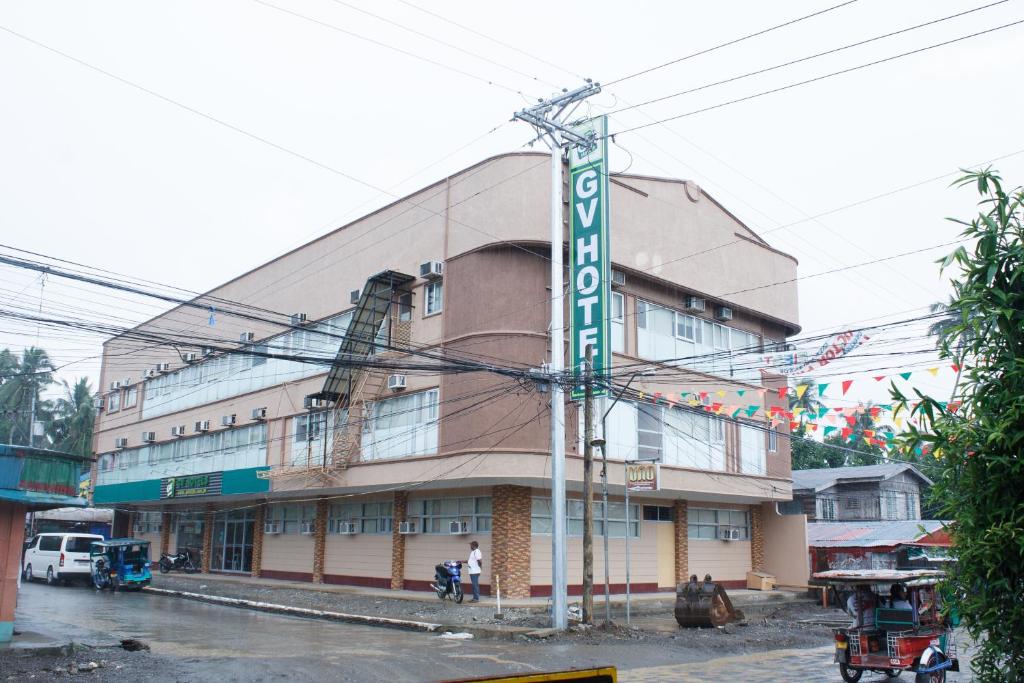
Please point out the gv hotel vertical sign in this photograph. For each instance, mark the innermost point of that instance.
(589, 264)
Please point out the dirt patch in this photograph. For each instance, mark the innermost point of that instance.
(100, 664)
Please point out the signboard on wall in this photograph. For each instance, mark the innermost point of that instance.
(643, 476)
(589, 263)
(189, 485)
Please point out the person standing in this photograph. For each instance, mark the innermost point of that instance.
(476, 563)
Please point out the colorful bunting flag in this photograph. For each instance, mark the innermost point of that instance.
(846, 385)
(801, 390)
(906, 375)
(783, 391)
(822, 388)
(933, 371)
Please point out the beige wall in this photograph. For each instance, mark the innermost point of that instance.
(424, 551)
(288, 553)
(724, 560)
(643, 558)
(785, 546)
(358, 555)
(666, 535)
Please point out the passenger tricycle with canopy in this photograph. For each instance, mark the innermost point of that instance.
(898, 625)
(120, 563)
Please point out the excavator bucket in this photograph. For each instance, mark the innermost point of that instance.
(704, 604)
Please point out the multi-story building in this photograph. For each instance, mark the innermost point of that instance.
(372, 470)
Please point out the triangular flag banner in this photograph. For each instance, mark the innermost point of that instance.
(899, 422)
(801, 390)
(934, 371)
(956, 368)
(830, 430)
(879, 378)
(720, 393)
(740, 392)
(846, 385)
(953, 406)
(736, 412)
(751, 410)
(813, 426)
(846, 432)
(793, 426)
(875, 410)
(851, 420)
(797, 411)
(822, 412)
(822, 388)
(906, 375)
(869, 432)
(703, 395)
(783, 391)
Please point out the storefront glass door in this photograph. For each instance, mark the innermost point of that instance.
(232, 541)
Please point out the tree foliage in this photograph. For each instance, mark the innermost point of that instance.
(977, 448)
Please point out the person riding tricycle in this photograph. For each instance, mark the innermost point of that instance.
(120, 563)
(897, 624)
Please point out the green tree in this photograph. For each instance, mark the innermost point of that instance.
(70, 428)
(979, 446)
(24, 380)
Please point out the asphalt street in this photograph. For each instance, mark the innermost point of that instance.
(201, 642)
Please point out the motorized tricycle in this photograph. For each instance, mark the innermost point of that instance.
(120, 563)
(898, 625)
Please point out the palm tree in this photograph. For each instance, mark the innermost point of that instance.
(24, 380)
(70, 429)
(809, 403)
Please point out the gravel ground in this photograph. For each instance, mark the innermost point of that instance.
(100, 664)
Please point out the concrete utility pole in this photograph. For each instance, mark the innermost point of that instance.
(588, 490)
(547, 118)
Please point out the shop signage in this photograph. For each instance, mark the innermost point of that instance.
(643, 476)
(589, 264)
(186, 486)
(800, 362)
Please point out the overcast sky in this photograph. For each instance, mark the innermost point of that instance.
(181, 179)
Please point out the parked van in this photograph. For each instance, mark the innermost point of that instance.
(58, 557)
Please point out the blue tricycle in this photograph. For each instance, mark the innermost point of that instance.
(120, 563)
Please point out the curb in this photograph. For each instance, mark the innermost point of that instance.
(299, 611)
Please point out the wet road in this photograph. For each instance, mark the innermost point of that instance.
(209, 642)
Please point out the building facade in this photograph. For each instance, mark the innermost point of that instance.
(244, 442)
(866, 493)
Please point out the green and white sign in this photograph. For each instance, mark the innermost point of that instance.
(589, 263)
(191, 485)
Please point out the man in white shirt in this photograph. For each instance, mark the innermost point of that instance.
(476, 562)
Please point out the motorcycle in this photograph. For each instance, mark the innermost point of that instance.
(448, 580)
(181, 561)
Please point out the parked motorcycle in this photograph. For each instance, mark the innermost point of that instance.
(448, 580)
(181, 561)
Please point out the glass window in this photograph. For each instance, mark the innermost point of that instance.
(368, 518)
(114, 402)
(617, 319)
(649, 420)
(540, 518)
(131, 396)
(710, 524)
(773, 439)
(401, 426)
(436, 515)
(405, 306)
(433, 295)
(293, 517)
(658, 513)
(50, 542)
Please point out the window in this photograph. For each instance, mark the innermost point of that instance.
(401, 426)
(707, 524)
(79, 544)
(432, 296)
(436, 515)
(114, 402)
(50, 542)
(540, 518)
(658, 513)
(717, 430)
(826, 507)
(649, 420)
(292, 516)
(853, 503)
(131, 396)
(773, 439)
(679, 437)
(405, 306)
(752, 458)
(618, 324)
(911, 500)
(148, 522)
(369, 518)
(256, 359)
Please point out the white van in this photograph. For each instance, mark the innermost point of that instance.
(58, 557)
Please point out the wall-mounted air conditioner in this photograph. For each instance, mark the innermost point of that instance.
(228, 420)
(190, 357)
(126, 382)
(431, 269)
(207, 351)
(407, 528)
(730, 534)
(307, 528)
(354, 295)
(114, 386)
(151, 373)
(202, 426)
(246, 337)
(723, 313)
(121, 442)
(313, 402)
(148, 437)
(163, 367)
(98, 404)
(618, 278)
(458, 528)
(695, 303)
(396, 382)
(272, 528)
(178, 430)
(347, 528)
(298, 319)
(259, 414)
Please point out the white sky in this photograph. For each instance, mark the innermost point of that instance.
(100, 172)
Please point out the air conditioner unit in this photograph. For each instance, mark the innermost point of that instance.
(190, 357)
(396, 382)
(207, 351)
(695, 303)
(114, 386)
(312, 402)
(259, 414)
(307, 528)
(98, 404)
(227, 420)
(151, 373)
(458, 528)
(272, 528)
(126, 382)
(347, 528)
(431, 269)
(121, 442)
(178, 430)
(163, 367)
(246, 337)
(618, 278)
(354, 295)
(148, 437)
(298, 319)
(202, 426)
(723, 313)
(406, 528)
(730, 534)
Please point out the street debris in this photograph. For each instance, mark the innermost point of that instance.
(448, 635)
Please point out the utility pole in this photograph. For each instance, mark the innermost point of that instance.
(588, 490)
(547, 118)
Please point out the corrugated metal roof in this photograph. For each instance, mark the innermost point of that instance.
(823, 478)
(869, 534)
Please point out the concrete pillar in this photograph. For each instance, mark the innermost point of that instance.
(207, 539)
(398, 541)
(12, 537)
(682, 542)
(510, 539)
(756, 538)
(166, 520)
(257, 539)
(320, 539)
